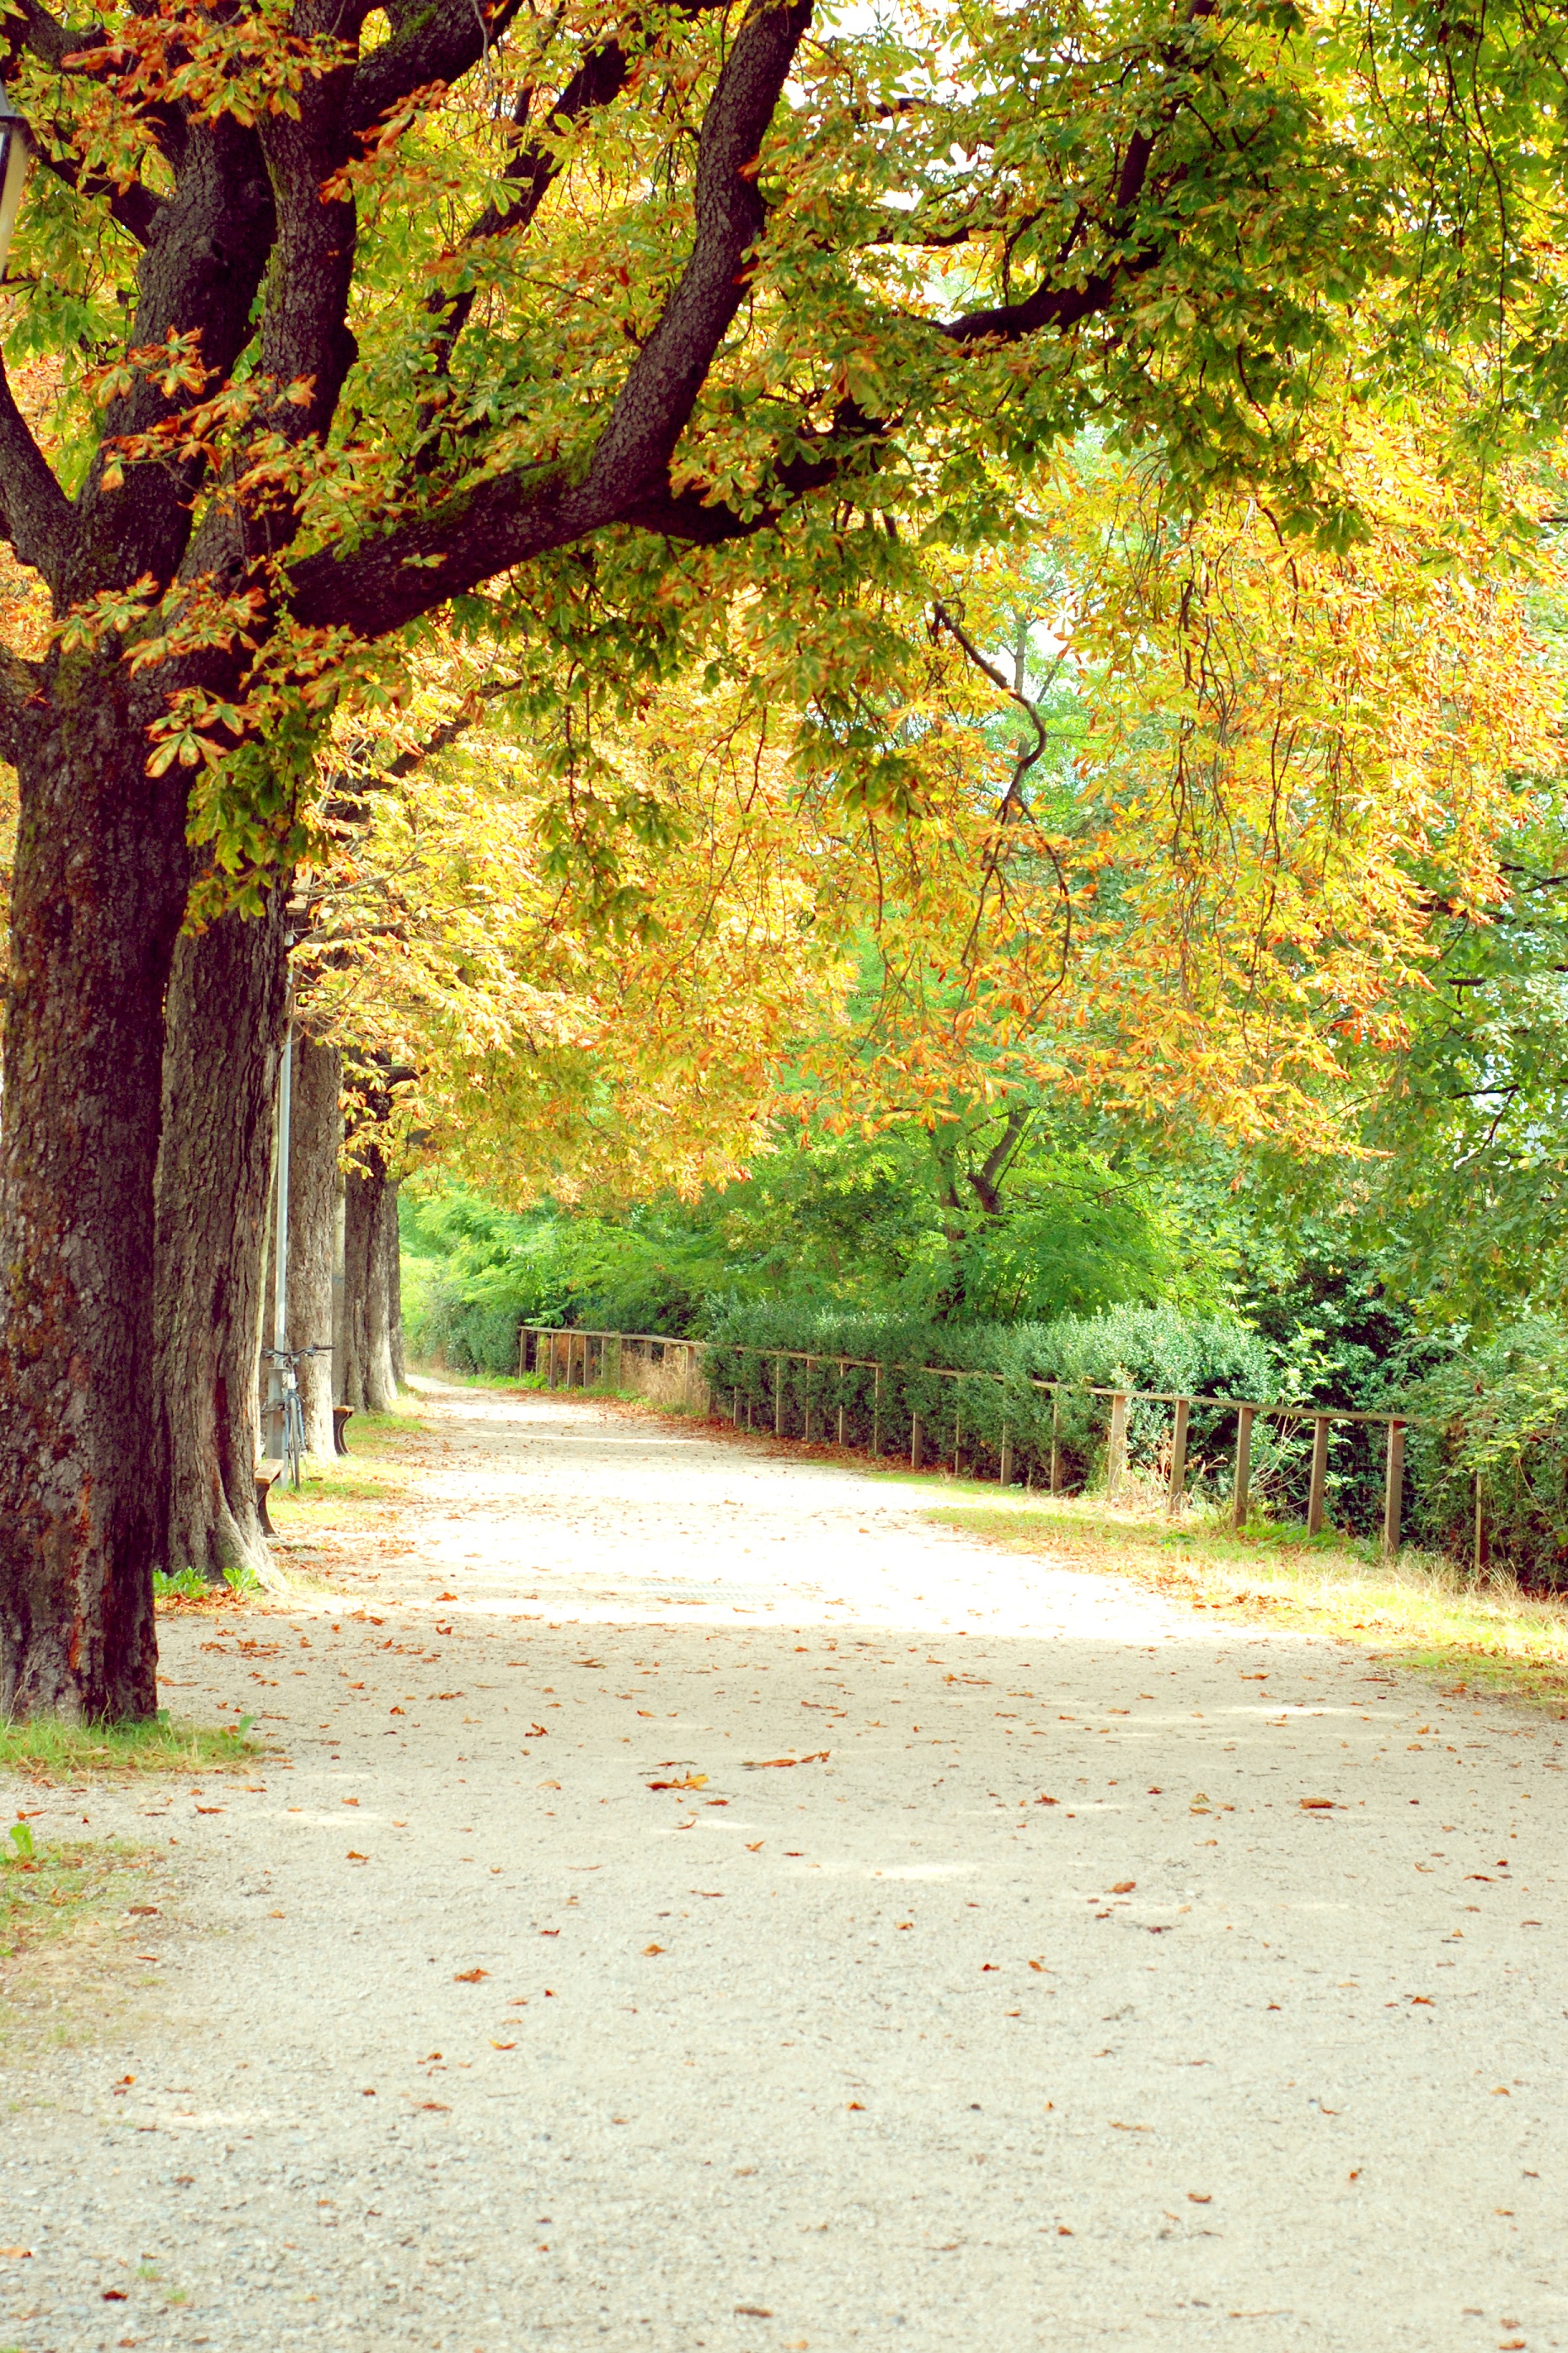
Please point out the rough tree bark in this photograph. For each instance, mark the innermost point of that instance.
(370, 1246)
(315, 1136)
(97, 899)
(225, 1021)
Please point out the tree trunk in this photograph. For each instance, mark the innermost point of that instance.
(220, 1082)
(370, 1243)
(98, 893)
(315, 1134)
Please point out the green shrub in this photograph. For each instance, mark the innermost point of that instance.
(1496, 1414)
(972, 1385)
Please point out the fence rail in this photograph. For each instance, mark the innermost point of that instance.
(575, 1355)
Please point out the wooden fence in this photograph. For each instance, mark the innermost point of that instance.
(582, 1358)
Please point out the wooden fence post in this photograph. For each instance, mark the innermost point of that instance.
(1055, 1441)
(1005, 1475)
(778, 1397)
(843, 1372)
(1320, 1473)
(1243, 1464)
(877, 1410)
(1480, 1530)
(916, 1435)
(1394, 1490)
(1178, 1457)
(1116, 1449)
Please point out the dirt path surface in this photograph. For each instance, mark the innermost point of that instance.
(1031, 2005)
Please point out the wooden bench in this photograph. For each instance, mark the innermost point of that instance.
(267, 1477)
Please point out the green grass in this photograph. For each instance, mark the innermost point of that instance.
(1420, 1611)
(49, 1749)
(56, 1892)
(69, 1924)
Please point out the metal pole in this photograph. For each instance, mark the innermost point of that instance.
(1320, 1473)
(1243, 1464)
(280, 1237)
(1178, 1459)
(1394, 1490)
(285, 1098)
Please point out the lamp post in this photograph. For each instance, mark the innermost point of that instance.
(16, 160)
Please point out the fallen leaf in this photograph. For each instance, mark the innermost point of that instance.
(1116, 2127)
(211, 1809)
(1124, 1887)
(1201, 2196)
(986, 1965)
(754, 2312)
(114, 2295)
(503, 2046)
(855, 2103)
(141, 1911)
(765, 1764)
(16, 2254)
(440, 2106)
(691, 1782)
(753, 1846)
(469, 1977)
(653, 1948)
(1316, 1805)
(355, 1856)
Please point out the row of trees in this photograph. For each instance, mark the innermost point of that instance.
(695, 364)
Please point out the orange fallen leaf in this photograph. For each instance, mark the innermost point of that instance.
(440, 2106)
(502, 2046)
(765, 1764)
(653, 1948)
(691, 1782)
(856, 2104)
(211, 1809)
(355, 1856)
(469, 1977)
(1316, 1805)
(16, 2254)
(1124, 1887)
(1201, 2196)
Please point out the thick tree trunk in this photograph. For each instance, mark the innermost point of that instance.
(315, 1135)
(220, 1080)
(370, 1243)
(98, 893)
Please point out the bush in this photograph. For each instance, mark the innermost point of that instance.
(472, 1275)
(1497, 1414)
(972, 1386)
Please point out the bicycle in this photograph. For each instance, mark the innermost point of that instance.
(287, 1403)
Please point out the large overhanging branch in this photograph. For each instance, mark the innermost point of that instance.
(508, 519)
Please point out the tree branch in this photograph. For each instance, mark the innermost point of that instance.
(35, 513)
(508, 519)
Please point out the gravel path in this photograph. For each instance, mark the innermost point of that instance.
(1065, 2021)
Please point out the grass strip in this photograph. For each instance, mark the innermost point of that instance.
(1419, 1611)
(48, 1893)
(48, 1749)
